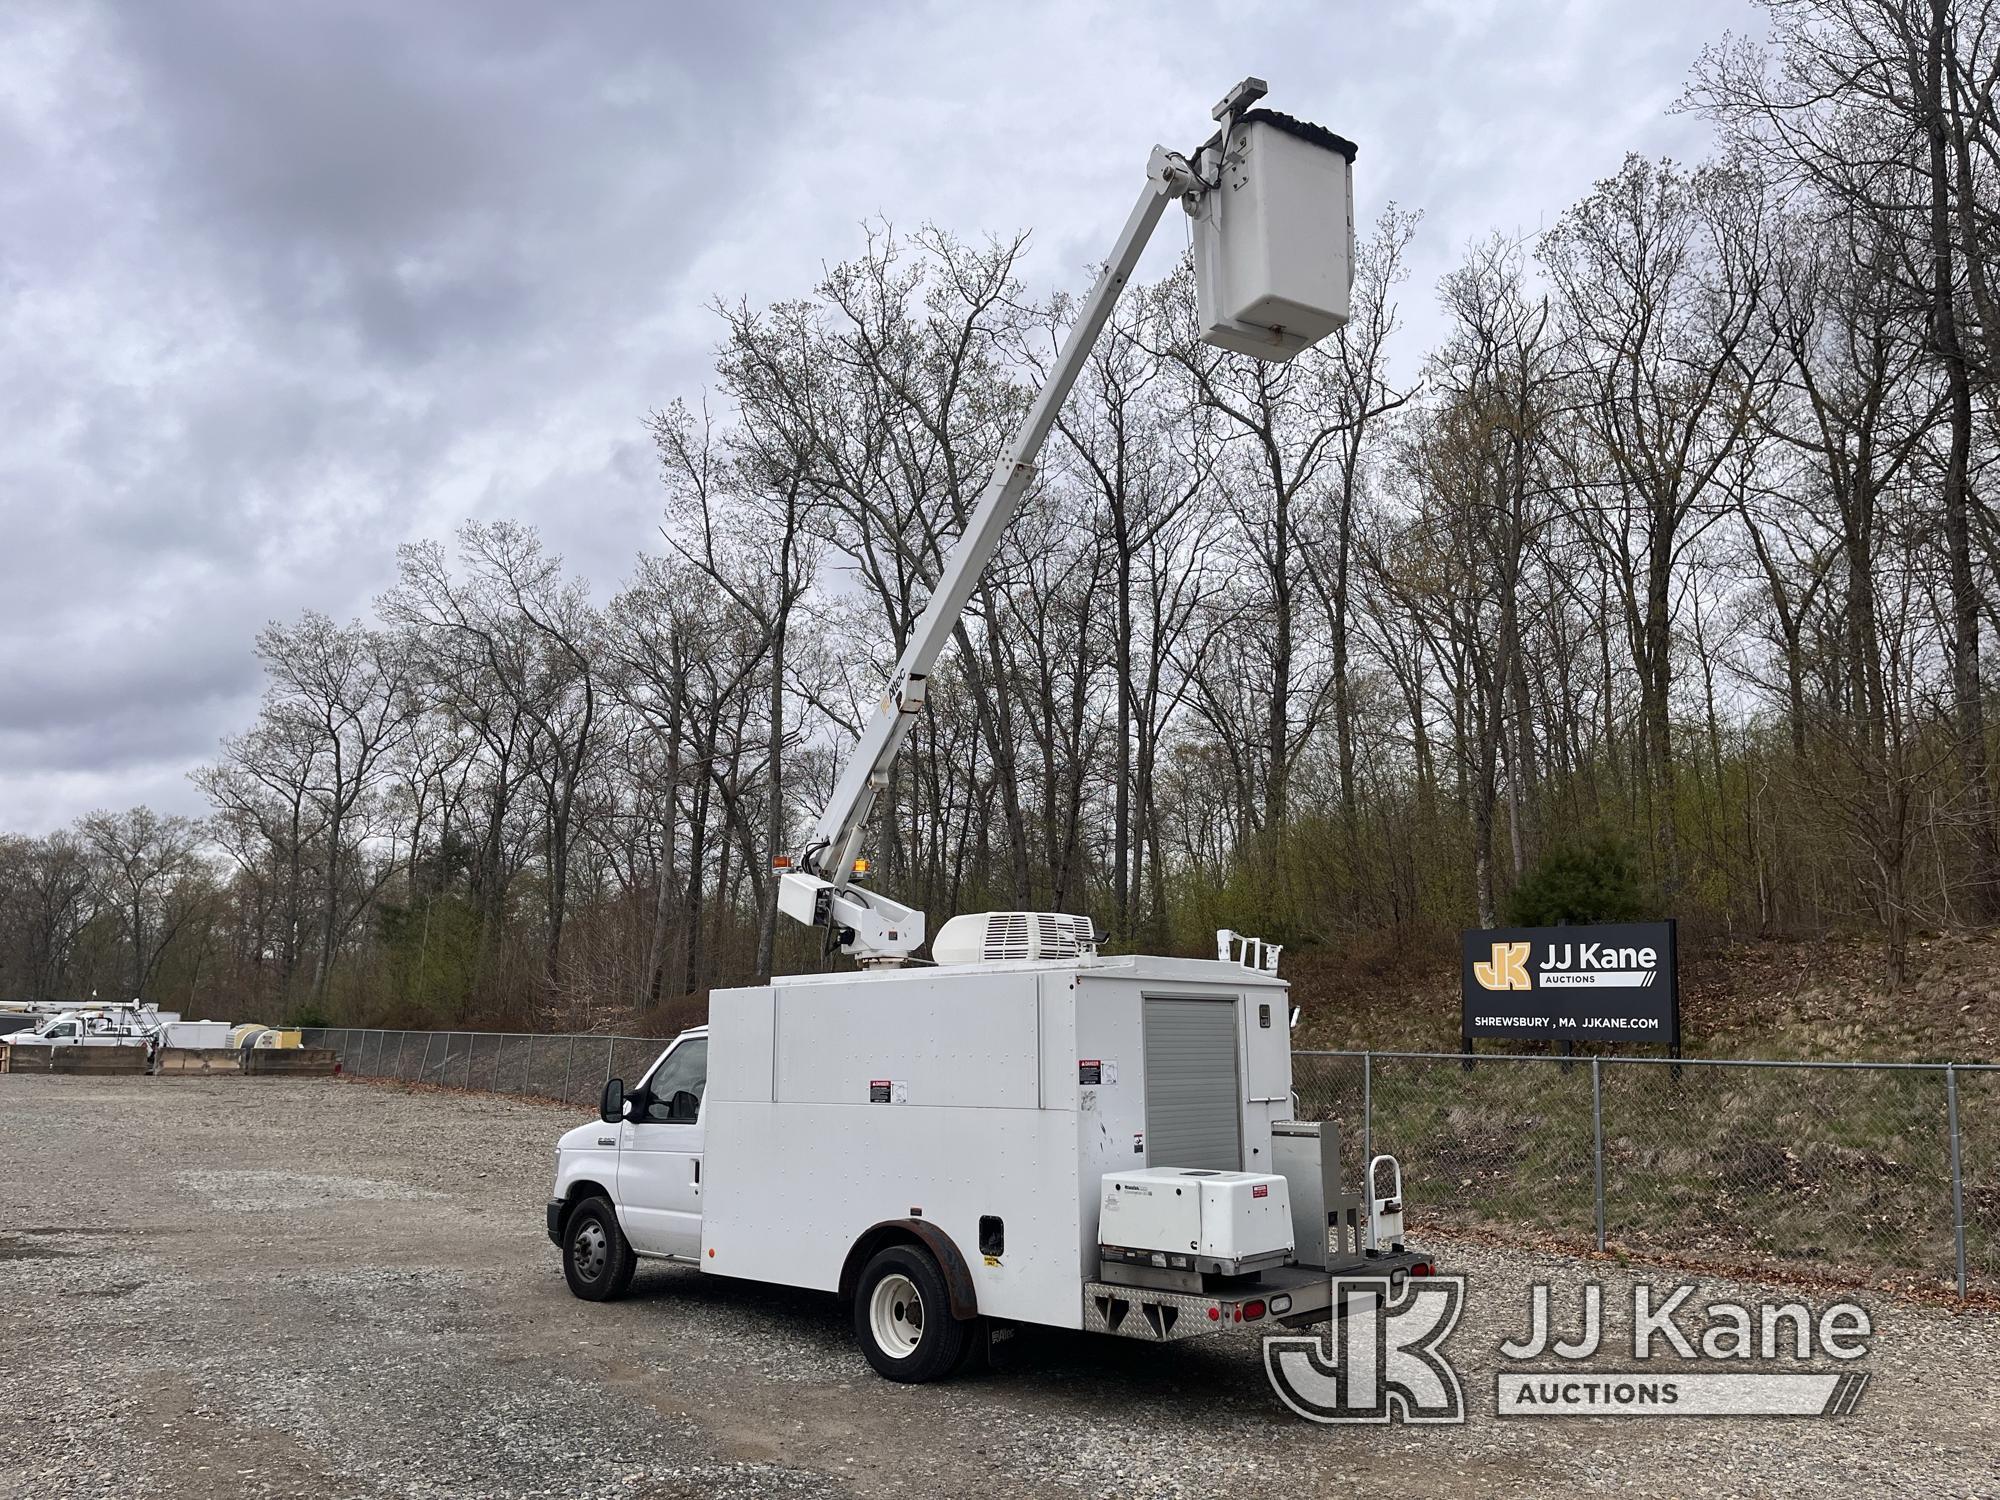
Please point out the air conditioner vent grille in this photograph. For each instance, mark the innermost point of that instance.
(999, 936)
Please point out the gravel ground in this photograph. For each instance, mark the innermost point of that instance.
(287, 1287)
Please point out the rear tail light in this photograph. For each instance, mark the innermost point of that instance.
(1421, 1268)
(1252, 1311)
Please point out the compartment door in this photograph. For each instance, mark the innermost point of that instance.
(1194, 1102)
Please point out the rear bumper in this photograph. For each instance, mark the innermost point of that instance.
(1293, 1297)
(556, 1207)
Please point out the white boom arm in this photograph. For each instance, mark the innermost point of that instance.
(868, 925)
(882, 930)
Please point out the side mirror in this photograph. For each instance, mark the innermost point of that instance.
(611, 1103)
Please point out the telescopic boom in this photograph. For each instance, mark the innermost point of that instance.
(866, 924)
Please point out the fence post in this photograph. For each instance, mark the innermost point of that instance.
(610, 1048)
(1957, 1174)
(1367, 1118)
(468, 1061)
(569, 1067)
(424, 1067)
(401, 1038)
(1597, 1140)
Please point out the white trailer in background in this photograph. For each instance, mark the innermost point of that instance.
(196, 1035)
(1027, 1132)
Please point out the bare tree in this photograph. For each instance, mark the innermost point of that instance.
(1660, 274)
(141, 857)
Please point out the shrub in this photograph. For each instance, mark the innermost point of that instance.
(1593, 882)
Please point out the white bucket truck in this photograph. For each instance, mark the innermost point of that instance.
(1025, 1132)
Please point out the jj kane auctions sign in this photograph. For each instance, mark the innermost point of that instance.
(1611, 981)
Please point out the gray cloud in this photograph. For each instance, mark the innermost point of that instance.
(286, 285)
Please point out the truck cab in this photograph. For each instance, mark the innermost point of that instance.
(95, 1026)
(641, 1160)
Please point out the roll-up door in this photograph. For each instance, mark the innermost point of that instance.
(1193, 1104)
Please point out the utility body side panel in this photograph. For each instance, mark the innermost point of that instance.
(992, 1092)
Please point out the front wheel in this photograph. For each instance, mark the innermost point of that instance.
(597, 1259)
(902, 1316)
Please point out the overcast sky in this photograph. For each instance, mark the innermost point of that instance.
(285, 283)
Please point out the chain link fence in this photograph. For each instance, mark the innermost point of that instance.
(1854, 1171)
(568, 1069)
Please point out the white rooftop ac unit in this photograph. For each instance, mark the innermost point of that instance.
(993, 936)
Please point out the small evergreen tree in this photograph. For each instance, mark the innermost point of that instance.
(1591, 882)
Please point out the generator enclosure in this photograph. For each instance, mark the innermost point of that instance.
(1222, 1222)
(1274, 239)
(988, 1101)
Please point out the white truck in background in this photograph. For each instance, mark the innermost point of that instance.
(120, 1023)
(111, 1024)
(1025, 1132)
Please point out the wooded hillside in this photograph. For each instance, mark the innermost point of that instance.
(1681, 546)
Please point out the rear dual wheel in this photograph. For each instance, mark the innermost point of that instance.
(902, 1317)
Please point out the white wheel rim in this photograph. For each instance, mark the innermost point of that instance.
(896, 1316)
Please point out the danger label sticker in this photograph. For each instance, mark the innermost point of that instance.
(878, 1091)
(1089, 1070)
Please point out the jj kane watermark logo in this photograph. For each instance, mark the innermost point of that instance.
(1382, 1359)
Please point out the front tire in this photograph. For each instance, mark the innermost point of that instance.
(597, 1258)
(902, 1317)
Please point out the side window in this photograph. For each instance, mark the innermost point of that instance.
(675, 1089)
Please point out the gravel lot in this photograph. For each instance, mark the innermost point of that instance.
(288, 1287)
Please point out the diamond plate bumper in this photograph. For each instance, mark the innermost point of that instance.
(1293, 1297)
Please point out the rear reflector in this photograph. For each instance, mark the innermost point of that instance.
(1215, 1314)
